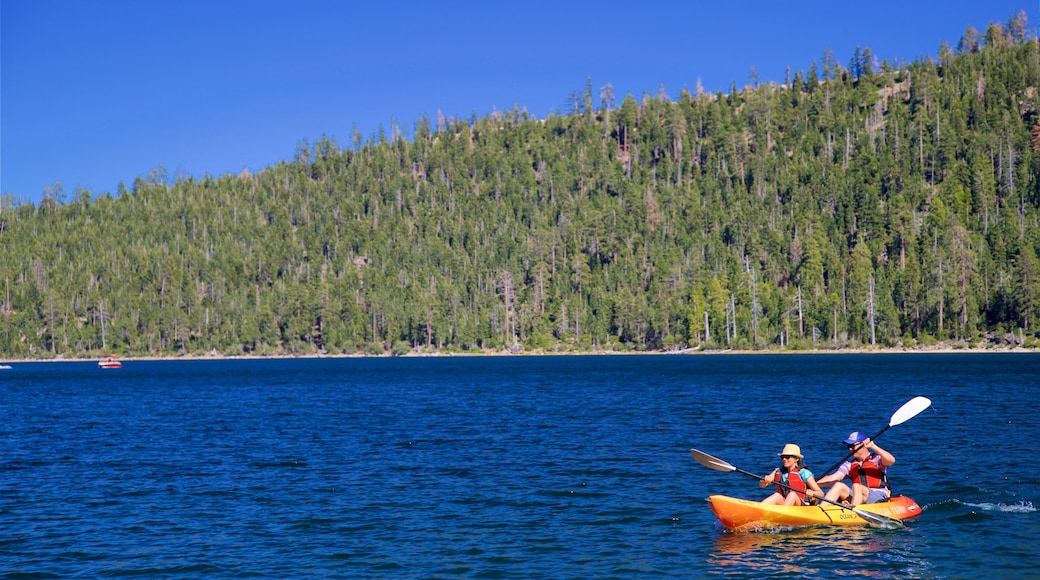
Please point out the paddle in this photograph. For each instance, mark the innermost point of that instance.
(875, 520)
(908, 411)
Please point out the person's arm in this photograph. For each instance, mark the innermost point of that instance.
(835, 477)
(767, 479)
(828, 479)
(813, 486)
(886, 457)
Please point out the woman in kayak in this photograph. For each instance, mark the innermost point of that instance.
(791, 480)
(868, 470)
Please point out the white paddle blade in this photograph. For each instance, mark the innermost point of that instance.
(909, 410)
(711, 462)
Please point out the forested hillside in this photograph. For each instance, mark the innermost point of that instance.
(891, 204)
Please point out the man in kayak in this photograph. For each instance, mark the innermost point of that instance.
(791, 480)
(868, 471)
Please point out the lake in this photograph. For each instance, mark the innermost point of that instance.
(503, 467)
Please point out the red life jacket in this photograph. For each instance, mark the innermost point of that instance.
(794, 484)
(869, 473)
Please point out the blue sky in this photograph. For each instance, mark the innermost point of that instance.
(94, 92)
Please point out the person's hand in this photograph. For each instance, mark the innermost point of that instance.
(767, 479)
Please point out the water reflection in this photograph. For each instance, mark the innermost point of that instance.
(817, 551)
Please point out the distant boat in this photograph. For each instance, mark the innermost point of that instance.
(109, 363)
(5, 367)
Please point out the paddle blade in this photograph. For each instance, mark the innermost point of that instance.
(909, 410)
(879, 521)
(711, 462)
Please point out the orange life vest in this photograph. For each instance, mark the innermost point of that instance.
(794, 484)
(870, 473)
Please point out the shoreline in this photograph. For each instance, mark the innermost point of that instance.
(936, 349)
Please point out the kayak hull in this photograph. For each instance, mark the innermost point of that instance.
(741, 514)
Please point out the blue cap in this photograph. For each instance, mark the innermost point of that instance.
(855, 437)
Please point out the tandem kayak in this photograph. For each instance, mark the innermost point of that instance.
(741, 514)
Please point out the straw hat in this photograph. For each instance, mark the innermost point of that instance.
(791, 449)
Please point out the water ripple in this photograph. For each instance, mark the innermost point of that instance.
(554, 467)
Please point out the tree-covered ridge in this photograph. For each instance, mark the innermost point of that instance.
(853, 205)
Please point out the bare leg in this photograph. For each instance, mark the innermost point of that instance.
(775, 499)
(837, 491)
(860, 493)
(793, 499)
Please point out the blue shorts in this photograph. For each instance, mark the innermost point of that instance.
(877, 495)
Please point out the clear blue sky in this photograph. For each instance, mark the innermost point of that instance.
(94, 92)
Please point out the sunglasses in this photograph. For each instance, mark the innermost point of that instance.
(854, 445)
(788, 457)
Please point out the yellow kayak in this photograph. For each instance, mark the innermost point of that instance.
(741, 514)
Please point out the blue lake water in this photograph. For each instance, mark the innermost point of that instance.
(499, 467)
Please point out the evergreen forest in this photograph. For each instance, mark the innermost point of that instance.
(863, 204)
